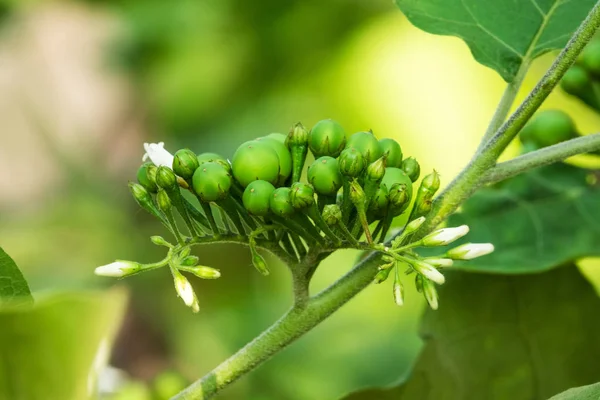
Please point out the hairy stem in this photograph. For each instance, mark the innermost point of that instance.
(545, 156)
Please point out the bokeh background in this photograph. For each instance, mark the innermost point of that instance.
(84, 83)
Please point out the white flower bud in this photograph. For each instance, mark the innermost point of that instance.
(439, 262)
(429, 272)
(117, 269)
(470, 251)
(398, 290)
(158, 155)
(430, 294)
(185, 291)
(445, 236)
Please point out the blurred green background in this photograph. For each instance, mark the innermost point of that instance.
(84, 84)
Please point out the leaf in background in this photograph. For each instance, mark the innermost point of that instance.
(505, 337)
(13, 286)
(502, 34)
(589, 392)
(536, 221)
(53, 350)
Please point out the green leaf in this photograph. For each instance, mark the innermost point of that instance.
(502, 34)
(13, 286)
(505, 337)
(589, 392)
(536, 221)
(54, 349)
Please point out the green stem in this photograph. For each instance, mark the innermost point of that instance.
(211, 218)
(545, 156)
(313, 212)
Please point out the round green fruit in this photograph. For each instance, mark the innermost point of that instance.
(392, 149)
(303, 195)
(277, 136)
(576, 81)
(352, 163)
(396, 176)
(366, 144)
(211, 182)
(281, 202)
(147, 179)
(285, 158)
(549, 127)
(412, 168)
(325, 176)
(255, 160)
(590, 57)
(214, 157)
(257, 196)
(327, 138)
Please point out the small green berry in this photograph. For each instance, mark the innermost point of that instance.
(352, 163)
(146, 178)
(590, 57)
(185, 163)
(392, 150)
(549, 127)
(325, 175)
(280, 137)
(327, 138)
(285, 158)
(332, 214)
(281, 202)
(303, 195)
(412, 168)
(211, 182)
(366, 144)
(255, 160)
(376, 170)
(257, 196)
(576, 80)
(380, 202)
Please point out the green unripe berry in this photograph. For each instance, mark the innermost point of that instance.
(382, 275)
(332, 214)
(380, 202)
(352, 163)
(549, 127)
(376, 170)
(303, 195)
(256, 197)
(185, 163)
(325, 176)
(255, 160)
(576, 80)
(393, 176)
(590, 57)
(280, 137)
(285, 158)
(366, 144)
(211, 182)
(163, 201)
(146, 178)
(281, 202)
(165, 178)
(392, 150)
(327, 138)
(412, 168)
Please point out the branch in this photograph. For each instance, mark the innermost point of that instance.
(545, 156)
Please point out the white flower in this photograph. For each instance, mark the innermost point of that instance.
(470, 251)
(439, 262)
(117, 269)
(398, 293)
(445, 236)
(429, 272)
(430, 295)
(158, 155)
(185, 291)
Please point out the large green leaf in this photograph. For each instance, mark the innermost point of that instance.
(54, 349)
(589, 392)
(536, 221)
(13, 286)
(502, 34)
(505, 337)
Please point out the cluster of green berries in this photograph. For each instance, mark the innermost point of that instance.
(259, 198)
(582, 80)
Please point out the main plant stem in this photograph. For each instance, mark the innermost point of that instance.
(307, 314)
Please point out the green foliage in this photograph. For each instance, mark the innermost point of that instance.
(13, 286)
(536, 221)
(505, 337)
(589, 392)
(502, 34)
(54, 349)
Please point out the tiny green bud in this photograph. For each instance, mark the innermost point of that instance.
(281, 202)
(388, 259)
(145, 179)
(352, 163)
(357, 194)
(303, 195)
(399, 196)
(260, 264)
(431, 182)
(392, 150)
(185, 252)
(211, 182)
(324, 175)
(332, 214)
(376, 170)
(166, 178)
(204, 272)
(412, 226)
(256, 197)
(366, 144)
(163, 201)
(185, 162)
(412, 168)
(140, 194)
(298, 135)
(419, 283)
(160, 241)
(327, 138)
(380, 202)
(382, 275)
(189, 261)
